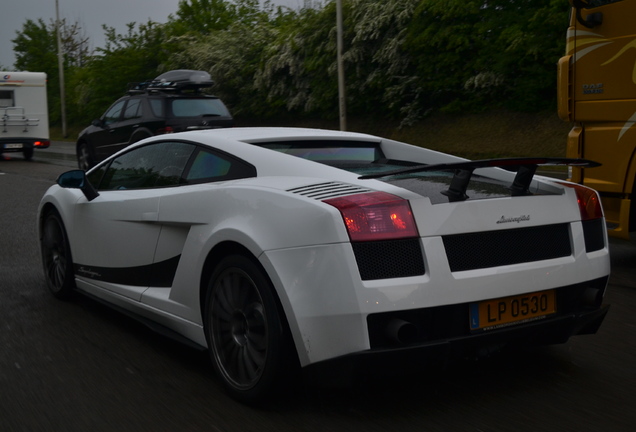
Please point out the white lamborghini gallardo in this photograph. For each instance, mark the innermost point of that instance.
(275, 247)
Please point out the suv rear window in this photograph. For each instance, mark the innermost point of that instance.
(198, 107)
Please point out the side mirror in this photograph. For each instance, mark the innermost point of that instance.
(76, 179)
(97, 123)
(591, 20)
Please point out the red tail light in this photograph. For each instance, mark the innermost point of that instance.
(376, 216)
(42, 144)
(165, 130)
(589, 201)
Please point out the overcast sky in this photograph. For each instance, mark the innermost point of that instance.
(91, 14)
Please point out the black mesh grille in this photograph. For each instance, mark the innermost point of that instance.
(594, 235)
(497, 248)
(389, 259)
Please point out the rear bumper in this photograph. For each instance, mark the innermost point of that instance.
(8, 145)
(436, 353)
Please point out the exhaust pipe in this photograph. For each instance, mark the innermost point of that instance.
(400, 331)
(592, 297)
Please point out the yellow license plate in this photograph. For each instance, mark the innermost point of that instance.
(502, 312)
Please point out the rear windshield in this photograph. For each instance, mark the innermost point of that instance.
(330, 152)
(367, 158)
(199, 107)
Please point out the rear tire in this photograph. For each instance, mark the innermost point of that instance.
(27, 153)
(56, 256)
(248, 343)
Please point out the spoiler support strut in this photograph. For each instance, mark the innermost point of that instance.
(463, 171)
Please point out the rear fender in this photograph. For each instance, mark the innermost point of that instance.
(139, 134)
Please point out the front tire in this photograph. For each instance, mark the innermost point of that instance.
(56, 256)
(85, 159)
(246, 336)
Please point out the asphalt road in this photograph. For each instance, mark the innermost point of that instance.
(78, 366)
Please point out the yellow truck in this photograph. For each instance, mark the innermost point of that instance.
(597, 93)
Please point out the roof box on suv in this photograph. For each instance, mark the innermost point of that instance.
(175, 80)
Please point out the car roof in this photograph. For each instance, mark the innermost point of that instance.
(239, 142)
(264, 134)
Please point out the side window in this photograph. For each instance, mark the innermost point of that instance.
(6, 98)
(208, 166)
(156, 105)
(114, 113)
(133, 109)
(154, 165)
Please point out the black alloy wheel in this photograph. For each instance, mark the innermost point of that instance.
(56, 256)
(246, 337)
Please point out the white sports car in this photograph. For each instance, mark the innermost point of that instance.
(276, 247)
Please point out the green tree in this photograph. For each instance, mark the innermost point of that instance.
(402, 58)
(134, 56)
(202, 16)
(473, 54)
(300, 66)
(35, 47)
(380, 72)
(233, 55)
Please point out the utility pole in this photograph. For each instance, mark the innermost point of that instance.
(60, 65)
(341, 78)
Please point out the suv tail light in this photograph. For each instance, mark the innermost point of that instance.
(589, 201)
(376, 216)
(165, 130)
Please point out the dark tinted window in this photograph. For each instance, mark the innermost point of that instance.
(198, 107)
(153, 165)
(133, 109)
(114, 113)
(156, 105)
(331, 151)
(209, 166)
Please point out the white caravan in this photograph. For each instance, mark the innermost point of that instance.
(24, 119)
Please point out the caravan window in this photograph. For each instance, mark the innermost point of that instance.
(6, 98)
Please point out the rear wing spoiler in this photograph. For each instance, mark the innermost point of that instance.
(525, 167)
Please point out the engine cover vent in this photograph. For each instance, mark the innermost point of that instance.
(323, 191)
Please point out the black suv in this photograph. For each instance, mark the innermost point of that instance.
(172, 102)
